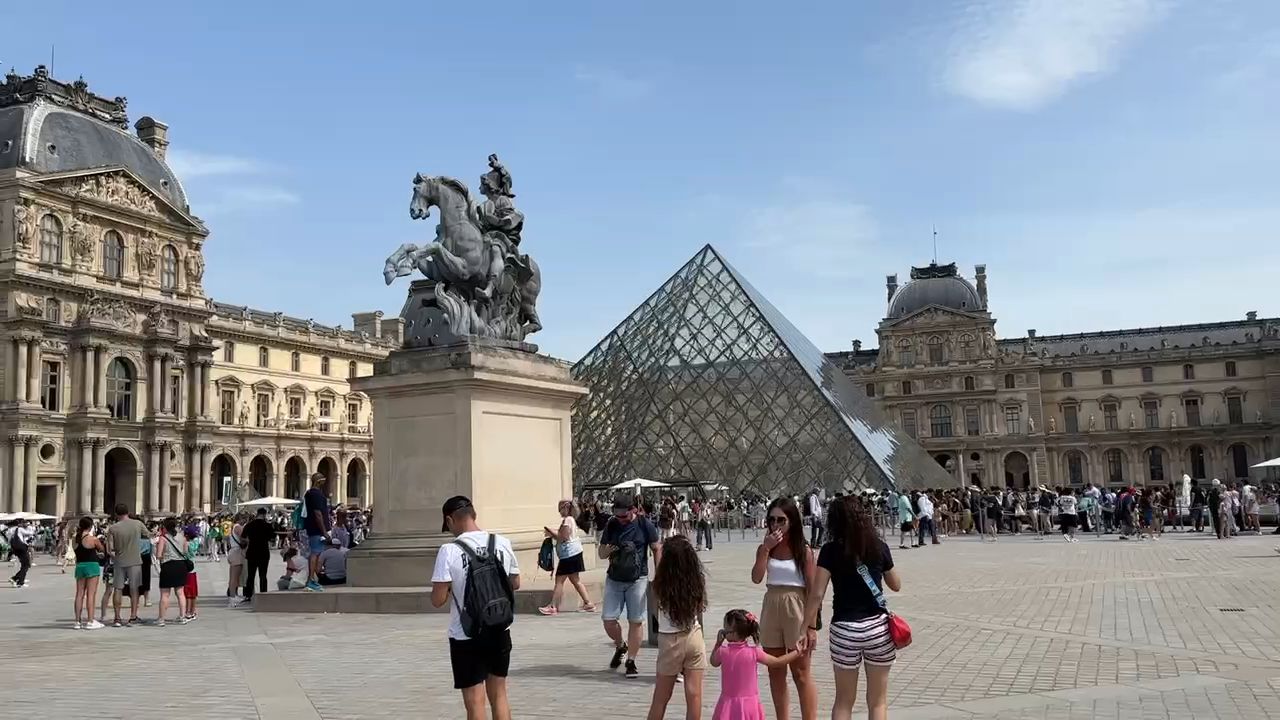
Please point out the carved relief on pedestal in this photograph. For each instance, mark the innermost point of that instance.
(97, 309)
(27, 305)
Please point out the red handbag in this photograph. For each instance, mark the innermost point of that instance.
(899, 630)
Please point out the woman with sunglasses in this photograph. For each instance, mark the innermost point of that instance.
(785, 564)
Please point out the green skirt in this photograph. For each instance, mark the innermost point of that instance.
(88, 570)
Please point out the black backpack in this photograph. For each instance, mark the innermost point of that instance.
(624, 567)
(488, 603)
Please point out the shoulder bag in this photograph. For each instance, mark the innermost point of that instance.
(899, 630)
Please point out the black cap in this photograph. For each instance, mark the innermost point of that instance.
(451, 506)
(623, 501)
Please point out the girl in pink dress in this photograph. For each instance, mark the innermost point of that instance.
(737, 660)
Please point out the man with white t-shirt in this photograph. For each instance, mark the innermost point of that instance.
(479, 664)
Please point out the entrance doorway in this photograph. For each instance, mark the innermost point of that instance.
(1017, 470)
(119, 480)
(329, 469)
(47, 499)
(223, 467)
(294, 473)
(260, 475)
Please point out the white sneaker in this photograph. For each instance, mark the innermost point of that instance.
(94, 625)
(76, 626)
(24, 586)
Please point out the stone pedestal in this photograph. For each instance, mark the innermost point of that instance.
(487, 421)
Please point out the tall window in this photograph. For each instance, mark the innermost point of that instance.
(972, 423)
(1115, 466)
(1068, 380)
(1231, 368)
(324, 364)
(175, 393)
(51, 240)
(264, 356)
(909, 422)
(53, 311)
(112, 254)
(1240, 460)
(940, 421)
(1148, 374)
(295, 407)
(1191, 408)
(935, 350)
(1009, 383)
(966, 347)
(1235, 410)
(1151, 414)
(906, 353)
(1013, 420)
(1111, 416)
(969, 383)
(169, 268)
(1075, 468)
(263, 408)
(1071, 418)
(906, 387)
(871, 389)
(295, 361)
(228, 352)
(50, 385)
(352, 369)
(228, 407)
(353, 417)
(1188, 372)
(1197, 462)
(120, 389)
(1155, 465)
(326, 413)
(1106, 377)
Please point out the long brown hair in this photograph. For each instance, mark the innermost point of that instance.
(679, 585)
(795, 533)
(850, 525)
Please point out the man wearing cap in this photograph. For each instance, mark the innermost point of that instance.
(315, 520)
(479, 664)
(333, 563)
(625, 543)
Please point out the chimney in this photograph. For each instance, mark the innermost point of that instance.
(368, 322)
(1031, 334)
(393, 329)
(154, 133)
(1251, 315)
(857, 346)
(980, 273)
(891, 284)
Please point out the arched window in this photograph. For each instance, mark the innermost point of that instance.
(1240, 460)
(352, 369)
(969, 382)
(51, 240)
(935, 350)
(1198, 464)
(120, 389)
(966, 347)
(324, 364)
(906, 387)
(53, 311)
(906, 353)
(940, 421)
(112, 255)
(1068, 380)
(295, 361)
(169, 268)
(1115, 466)
(1009, 381)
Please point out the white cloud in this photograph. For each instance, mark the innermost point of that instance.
(188, 164)
(228, 184)
(242, 198)
(1022, 54)
(817, 238)
(612, 84)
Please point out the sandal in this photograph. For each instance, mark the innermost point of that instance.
(548, 610)
(591, 607)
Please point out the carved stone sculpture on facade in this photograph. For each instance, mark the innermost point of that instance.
(81, 243)
(195, 267)
(1093, 423)
(99, 310)
(244, 414)
(1133, 422)
(29, 306)
(1173, 418)
(1053, 425)
(477, 280)
(24, 223)
(1031, 425)
(147, 254)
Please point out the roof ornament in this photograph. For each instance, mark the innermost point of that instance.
(18, 89)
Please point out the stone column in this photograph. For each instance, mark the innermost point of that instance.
(20, 371)
(86, 379)
(99, 479)
(205, 498)
(153, 474)
(33, 370)
(29, 479)
(86, 476)
(156, 384)
(166, 370)
(17, 472)
(99, 376)
(165, 462)
(204, 388)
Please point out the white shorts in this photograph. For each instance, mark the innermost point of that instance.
(861, 641)
(235, 556)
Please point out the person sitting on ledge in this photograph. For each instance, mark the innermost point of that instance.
(333, 564)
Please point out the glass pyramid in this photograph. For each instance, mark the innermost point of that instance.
(708, 382)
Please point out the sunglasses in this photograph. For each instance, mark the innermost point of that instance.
(777, 520)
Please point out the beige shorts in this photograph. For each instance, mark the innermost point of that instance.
(679, 652)
(782, 616)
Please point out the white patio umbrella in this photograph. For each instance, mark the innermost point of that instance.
(1273, 462)
(33, 516)
(638, 483)
(268, 500)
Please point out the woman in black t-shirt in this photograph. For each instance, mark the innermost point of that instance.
(859, 631)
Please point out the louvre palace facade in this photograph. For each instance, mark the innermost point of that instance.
(121, 380)
(1111, 407)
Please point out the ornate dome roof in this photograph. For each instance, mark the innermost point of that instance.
(934, 285)
(47, 126)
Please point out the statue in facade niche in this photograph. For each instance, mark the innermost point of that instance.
(1133, 423)
(1173, 418)
(244, 414)
(1093, 423)
(1031, 425)
(480, 281)
(23, 224)
(1053, 425)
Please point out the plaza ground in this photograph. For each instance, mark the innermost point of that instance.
(1186, 627)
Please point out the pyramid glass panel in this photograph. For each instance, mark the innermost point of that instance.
(708, 382)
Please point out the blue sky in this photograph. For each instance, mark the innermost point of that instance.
(1111, 161)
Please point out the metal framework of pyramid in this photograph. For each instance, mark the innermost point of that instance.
(708, 382)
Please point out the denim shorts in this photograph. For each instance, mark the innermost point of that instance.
(633, 594)
(316, 543)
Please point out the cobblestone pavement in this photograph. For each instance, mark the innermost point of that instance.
(1185, 627)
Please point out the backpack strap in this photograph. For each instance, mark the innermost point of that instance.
(871, 585)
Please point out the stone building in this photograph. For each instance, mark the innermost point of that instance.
(1110, 407)
(121, 381)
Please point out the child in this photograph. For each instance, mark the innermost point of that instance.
(295, 575)
(191, 590)
(680, 593)
(737, 660)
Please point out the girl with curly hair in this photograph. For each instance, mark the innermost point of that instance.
(737, 660)
(680, 591)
